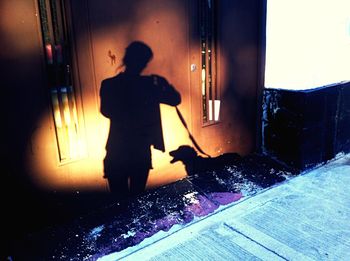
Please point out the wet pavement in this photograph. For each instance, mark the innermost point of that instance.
(121, 225)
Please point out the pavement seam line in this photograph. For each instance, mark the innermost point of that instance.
(254, 241)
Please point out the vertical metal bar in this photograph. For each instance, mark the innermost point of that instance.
(60, 132)
(208, 59)
(213, 88)
(203, 39)
(55, 38)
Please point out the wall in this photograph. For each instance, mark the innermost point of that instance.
(23, 103)
(48, 190)
(170, 28)
(307, 128)
(106, 26)
(239, 70)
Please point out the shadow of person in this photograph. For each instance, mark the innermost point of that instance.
(131, 102)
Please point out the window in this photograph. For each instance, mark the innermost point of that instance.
(59, 77)
(209, 90)
(308, 43)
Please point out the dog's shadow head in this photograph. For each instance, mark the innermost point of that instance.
(184, 154)
(194, 163)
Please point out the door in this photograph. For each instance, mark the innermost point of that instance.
(226, 71)
(103, 29)
(207, 49)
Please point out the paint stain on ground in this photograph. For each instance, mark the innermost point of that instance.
(124, 225)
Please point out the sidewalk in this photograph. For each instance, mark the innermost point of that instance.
(306, 218)
(255, 209)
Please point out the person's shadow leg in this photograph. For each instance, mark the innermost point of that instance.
(118, 186)
(138, 180)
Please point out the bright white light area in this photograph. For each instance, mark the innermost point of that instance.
(307, 43)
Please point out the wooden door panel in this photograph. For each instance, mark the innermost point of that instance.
(100, 32)
(110, 27)
(237, 32)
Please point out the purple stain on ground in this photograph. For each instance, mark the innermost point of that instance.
(199, 206)
(224, 198)
(162, 224)
(167, 222)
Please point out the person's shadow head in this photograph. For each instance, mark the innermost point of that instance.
(137, 56)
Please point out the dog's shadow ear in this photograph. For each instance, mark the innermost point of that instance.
(183, 153)
(173, 159)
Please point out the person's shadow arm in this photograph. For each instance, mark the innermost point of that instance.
(167, 93)
(105, 103)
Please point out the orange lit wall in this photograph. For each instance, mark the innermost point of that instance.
(103, 28)
(108, 31)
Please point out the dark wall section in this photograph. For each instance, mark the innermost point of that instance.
(306, 128)
(342, 127)
(239, 37)
(23, 101)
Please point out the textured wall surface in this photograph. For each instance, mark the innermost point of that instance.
(305, 128)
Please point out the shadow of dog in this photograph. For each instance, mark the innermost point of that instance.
(196, 164)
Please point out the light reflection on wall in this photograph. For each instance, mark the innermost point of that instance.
(49, 174)
(308, 43)
(87, 173)
(109, 34)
